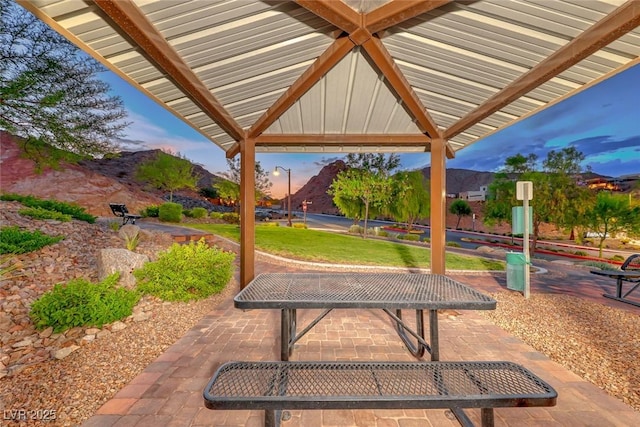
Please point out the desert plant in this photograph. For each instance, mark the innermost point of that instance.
(151, 211)
(15, 241)
(82, 303)
(132, 240)
(186, 272)
(409, 237)
(198, 212)
(114, 225)
(356, 229)
(41, 213)
(71, 209)
(231, 218)
(8, 267)
(170, 212)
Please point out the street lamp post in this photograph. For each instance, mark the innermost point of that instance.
(276, 172)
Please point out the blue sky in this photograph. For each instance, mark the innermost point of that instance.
(603, 122)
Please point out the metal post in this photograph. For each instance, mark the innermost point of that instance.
(525, 246)
(289, 197)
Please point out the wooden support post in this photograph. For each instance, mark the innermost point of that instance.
(247, 211)
(438, 206)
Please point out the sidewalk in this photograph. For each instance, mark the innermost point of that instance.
(169, 391)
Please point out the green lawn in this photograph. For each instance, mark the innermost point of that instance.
(321, 246)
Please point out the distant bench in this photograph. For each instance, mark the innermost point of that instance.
(629, 272)
(276, 386)
(120, 209)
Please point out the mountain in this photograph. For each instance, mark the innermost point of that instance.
(315, 190)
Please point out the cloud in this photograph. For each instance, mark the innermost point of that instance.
(324, 161)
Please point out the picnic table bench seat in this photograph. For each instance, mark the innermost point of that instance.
(120, 210)
(276, 386)
(631, 264)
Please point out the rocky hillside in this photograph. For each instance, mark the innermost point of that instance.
(316, 188)
(92, 184)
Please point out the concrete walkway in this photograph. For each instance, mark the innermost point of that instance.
(169, 391)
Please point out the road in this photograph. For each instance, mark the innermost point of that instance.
(466, 239)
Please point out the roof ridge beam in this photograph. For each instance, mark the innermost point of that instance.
(325, 62)
(399, 84)
(130, 20)
(398, 11)
(619, 22)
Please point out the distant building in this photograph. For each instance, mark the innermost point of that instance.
(475, 196)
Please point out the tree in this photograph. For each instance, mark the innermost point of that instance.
(50, 93)
(411, 199)
(460, 208)
(556, 193)
(377, 163)
(263, 184)
(372, 189)
(168, 173)
(612, 214)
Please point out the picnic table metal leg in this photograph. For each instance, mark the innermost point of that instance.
(433, 335)
(272, 418)
(287, 332)
(419, 348)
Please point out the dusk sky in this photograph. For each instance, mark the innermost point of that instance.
(603, 122)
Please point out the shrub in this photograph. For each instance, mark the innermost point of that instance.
(15, 241)
(270, 224)
(82, 303)
(356, 229)
(580, 253)
(114, 225)
(151, 211)
(617, 258)
(186, 272)
(72, 209)
(383, 233)
(8, 267)
(40, 213)
(231, 218)
(409, 237)
(188, 213)
(199, 212)
(298, 225)
(600, 265)
(170, 212)
(454, 244)
(216, 215)
(132, 240)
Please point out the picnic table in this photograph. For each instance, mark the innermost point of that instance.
(391, 292)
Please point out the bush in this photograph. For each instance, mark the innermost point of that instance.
(187, 213)
(170, 212)
(199, 212)
(15, 241)
(40, 213)
(231, 218)
(409, 237)
(151, 211)
(356, 229)
(82, 303)
(580, 253)
(454, 244)
(298, 225)
(186, 272)
(270, 224)
(71, 209)
(617, 258)
(383, 233)
(216, 215)
(209, 192)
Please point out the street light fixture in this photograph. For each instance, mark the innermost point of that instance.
(276, 172)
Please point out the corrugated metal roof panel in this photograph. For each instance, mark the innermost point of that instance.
(247, 53)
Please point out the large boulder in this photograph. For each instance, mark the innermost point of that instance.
(113, 260)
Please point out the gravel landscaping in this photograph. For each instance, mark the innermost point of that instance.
(594, 341)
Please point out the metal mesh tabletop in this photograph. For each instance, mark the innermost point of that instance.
(357, 385)
(360, 290)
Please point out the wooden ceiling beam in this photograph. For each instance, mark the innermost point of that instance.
(310, 77)
(399, 84)
(619, 22)
(266, 140)
(128, 19)
(398, 11)
(336, 13)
